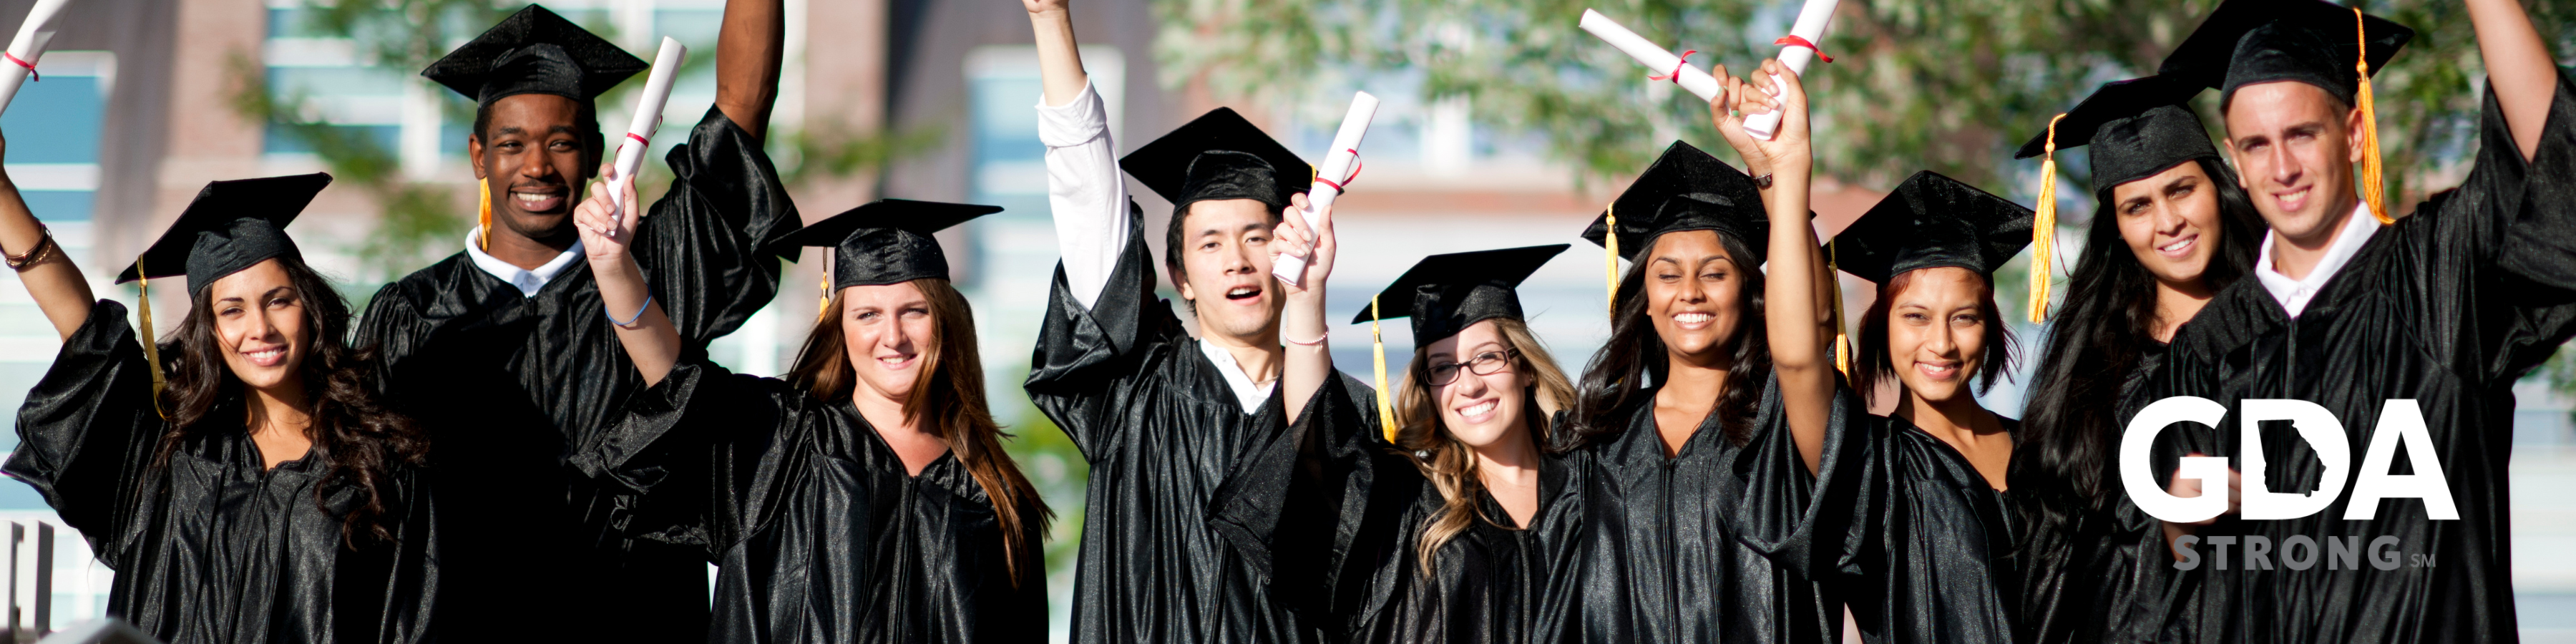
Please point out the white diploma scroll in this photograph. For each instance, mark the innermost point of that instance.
(29, 45)
(1811, 27)
(648, 117)
(1654, 57)
(1329, 177)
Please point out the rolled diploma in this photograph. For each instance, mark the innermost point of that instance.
(1812, 19)
(1652, 56)
(648, 117)
(29, 45)
(1337, 167)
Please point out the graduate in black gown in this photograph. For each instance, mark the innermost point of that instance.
(2432, 316)
(1693, 494)
(504, 348)
(1922, 520)
(257, 492)
(2171, 226)
(866, 496)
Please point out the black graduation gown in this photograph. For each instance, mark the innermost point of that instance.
(1488, 583)
(1927, 543)
(2447, 307)
(1162, 433)
(512, 383)
(215, 547)
(820, 532)
(1712, 544)
(2094, 574)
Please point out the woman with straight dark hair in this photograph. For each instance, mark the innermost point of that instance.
(2171, 227)
(263, 494)
(865, 497)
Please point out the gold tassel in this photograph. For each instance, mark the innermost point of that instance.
(823, 307)
(2043, 228)
(1385, 396)
(151, 351)
(1842, 341)
(1610, 254)
(483, 222)
(2373, 183)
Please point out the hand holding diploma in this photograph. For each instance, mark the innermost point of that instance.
(1337, 169)
(1796, 50)
(29, 45)
(639, 135)
(1666, 65)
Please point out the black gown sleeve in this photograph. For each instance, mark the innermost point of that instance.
(708, 455)
(1776, 509)
(1087, 360)
(707, 246)
(1320, 507)
(88, 431)
(2537, 253)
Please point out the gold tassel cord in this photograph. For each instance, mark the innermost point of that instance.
(483, 222)
(1610, 254)
(1385, 395)
(151, 350)
(823, 306)
(2373, 183)
(2043, 228)
(1842, 341)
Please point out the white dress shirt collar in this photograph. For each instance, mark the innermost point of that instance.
(2294, 294)
(1250, 395)
(527, 281)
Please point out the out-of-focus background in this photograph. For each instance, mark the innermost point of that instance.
(1504, 125)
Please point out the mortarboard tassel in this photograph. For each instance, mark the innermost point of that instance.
(151, 350)
(1610, 254)
(823, 307)
(2043, 228)
(483, 231)
(2373, 183)
(1842, 341)
(1385, 396)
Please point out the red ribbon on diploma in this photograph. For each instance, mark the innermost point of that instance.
(1356, 165)
(1792, 40)
(31, 67)
(642, 140)
(1676, 76)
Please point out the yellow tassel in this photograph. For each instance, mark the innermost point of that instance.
(1842, 342)
(823, 307)
(2043, 229)
(483, 222)
(1610, 254)
(2373, 183)
(151, 351)
(1385, 395)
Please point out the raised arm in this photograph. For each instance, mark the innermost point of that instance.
(1301, 321)
(1796, 309)
(651, 341)
(2519, 68)
(748, 47)
(1059, 62)
(53, 280)
(1084, 189)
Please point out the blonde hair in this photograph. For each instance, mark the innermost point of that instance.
(1446, 461)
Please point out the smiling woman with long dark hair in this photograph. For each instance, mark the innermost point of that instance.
(263, 494)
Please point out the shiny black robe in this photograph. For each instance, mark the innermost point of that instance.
(2094, 574)
(214, 546)
(1162, 433)
(1716, 543)
(1926, 549)
(511, 384)
(2447, 307)
(1489, 583)
(820, 532)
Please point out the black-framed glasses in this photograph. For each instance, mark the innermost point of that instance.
(1482, 364)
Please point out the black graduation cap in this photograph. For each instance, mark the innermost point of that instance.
(2245, 42)
(1686, 189)
(534, 51)
(1219, 156)
(1445, 293)
(887, 241)
(2133, 128)
(229, 227)
(1933, 221)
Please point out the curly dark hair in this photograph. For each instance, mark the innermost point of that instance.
(353, 432)
(1625, 372)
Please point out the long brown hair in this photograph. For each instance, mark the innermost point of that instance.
(951, 396)
(359, 439)
(1446, 461)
